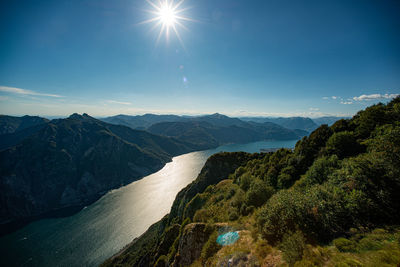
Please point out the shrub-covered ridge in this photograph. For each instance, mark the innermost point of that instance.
(332, 201)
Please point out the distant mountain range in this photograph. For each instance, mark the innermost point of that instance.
(142, 121)
(147, 120)
(209, 130)
(305, 124)
(73, 161)
(14, 129)
(51, 164)
(11, 124)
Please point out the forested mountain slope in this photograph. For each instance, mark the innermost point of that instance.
(331, 201)
(73, 161)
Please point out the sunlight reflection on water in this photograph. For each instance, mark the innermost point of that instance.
(103, 228)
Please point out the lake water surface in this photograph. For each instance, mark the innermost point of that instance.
(105, 227)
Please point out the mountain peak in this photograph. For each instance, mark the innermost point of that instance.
(77, 116)
(218, 115)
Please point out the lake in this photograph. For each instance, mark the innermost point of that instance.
(102, 229)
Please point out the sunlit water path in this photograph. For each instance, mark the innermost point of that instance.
(103, 228)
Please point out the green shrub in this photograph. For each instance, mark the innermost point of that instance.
(238, 172)
(292, 246)
(258, 193)
(263, 248)
(201, 216)
(245, 181)
(230, 193)
(349, 262)
(193, 205)
(233, 215)
(210, 247)
(162, 261)
(343, 144)
(246, 210)
(238, 199)
(345, 245)
(285, 180)
(320, 170)
(368, 243)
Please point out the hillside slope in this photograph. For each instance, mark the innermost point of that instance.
(141, 121)
(210, 133)
(11, 124)
(292, 123)
(14, 129)
(332, 201)
(73, 161)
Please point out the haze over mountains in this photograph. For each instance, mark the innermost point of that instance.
(147, 120)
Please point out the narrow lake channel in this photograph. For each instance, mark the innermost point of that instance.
(103, 228)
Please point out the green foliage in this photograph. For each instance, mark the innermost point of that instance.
(365, 121)
(245, 181)
(233, 215)
(343, 144)
(341, 126)
(258, 193)
(210, 247)
(350, 179)
(287, 177)
(195, 204)
(238, 199)
(231, 192)
(263, 248)
(201, 215)
(309, 147)
(280, 215)
(162, 261)
(320, 170)
(292, 246)
(345, 245)
(246, 210)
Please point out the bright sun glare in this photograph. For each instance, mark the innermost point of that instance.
(167, 16)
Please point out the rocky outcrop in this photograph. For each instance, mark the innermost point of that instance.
(194, 236)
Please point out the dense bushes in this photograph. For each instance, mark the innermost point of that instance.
(293, 245)
(343, 144)
(345, 245)
(258, 193)
(320, 170)
(210, 247)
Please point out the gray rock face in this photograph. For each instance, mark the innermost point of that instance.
(192, 241)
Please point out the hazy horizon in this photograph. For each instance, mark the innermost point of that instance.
(173, 114)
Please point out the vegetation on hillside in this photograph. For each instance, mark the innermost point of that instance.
(332, 201)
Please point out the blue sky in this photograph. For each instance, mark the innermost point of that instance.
(272, 58)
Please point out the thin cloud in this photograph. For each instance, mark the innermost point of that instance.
(346, 102)
(314, 109)
(325, 98)
(19, 91)
(118, 102)
(334, 97)
(374, 97)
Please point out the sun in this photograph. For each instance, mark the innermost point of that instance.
(168, 16)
